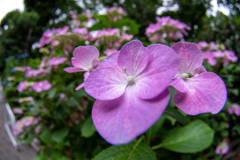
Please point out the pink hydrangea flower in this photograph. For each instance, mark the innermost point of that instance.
(131, 90)
(109, 51)
(55, 61)
(24, 85)
(111, 37)
(17, 111)
(166, 27)
(62, 95)
(214, 53)
(222, 148)
(46, 38)
(198, 91)
(234, 108)
(82, 32)
(41, 86)
(116, 13)
(62, 31)
(85, 59)
(39, 71)
(37, 129)
(75, 21)
(22, 69)
(25, 99)
(23, 123)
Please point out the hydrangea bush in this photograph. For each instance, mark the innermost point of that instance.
(99, 93)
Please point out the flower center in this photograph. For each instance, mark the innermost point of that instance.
(130, 80)
(184, 76)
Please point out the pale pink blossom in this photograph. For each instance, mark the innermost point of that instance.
(41, 86)
(23, 123)
(131, 88)
(166, 27)
(25, 99)
(109, 51)
(198, 91)
(85, 59)
(222, 148)
(17, 111)
(55, 61)
(234, 108)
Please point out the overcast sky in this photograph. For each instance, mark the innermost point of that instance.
(9, 5)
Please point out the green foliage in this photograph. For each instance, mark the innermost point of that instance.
(88, 129)
(16, 34)
(130, 151)
(192, 138)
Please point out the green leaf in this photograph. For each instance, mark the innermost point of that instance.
(45, 136)
(59, 135)
(192, 138)
(132, 151)
(152, 131)
(52, 93)
(175, 114)
(88, 129)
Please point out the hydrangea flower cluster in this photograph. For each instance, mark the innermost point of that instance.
(214, 53)
(25, 99)
(44, 68)
(222, 148)
(41, 86)
(24, 85)
(131, 86)
(111, 37)
(116, 13)
(55, 61)
(64, 37)
(234, 108)
(165, 28)
(84, 19)
(36, 86)
(23, 124)
(22, 69)
(17, 111)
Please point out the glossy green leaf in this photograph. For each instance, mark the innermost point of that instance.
(132, 151)
(59, 135)
(88, 129)
(175, 114)
(45, 136)
(194, 137)
(51, 93)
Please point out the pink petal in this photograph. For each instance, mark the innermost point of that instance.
(190, 56)
(110, 61)
(180, 85)
(200, 70)
(133, 57)
(159, 73)
(207, 93)
(80, 86)
(84, 57)
(73, 69)
(121, 120)
(106, 83)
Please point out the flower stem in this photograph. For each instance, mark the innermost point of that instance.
(157, 146)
